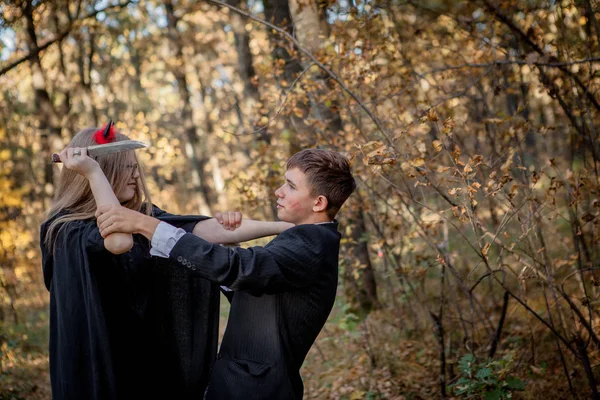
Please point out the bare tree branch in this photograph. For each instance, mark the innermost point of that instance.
(287, 93)
(331, 74)
(511, 62)
(526, 39)
(58, 38)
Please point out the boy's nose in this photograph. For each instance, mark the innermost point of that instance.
(278, 192)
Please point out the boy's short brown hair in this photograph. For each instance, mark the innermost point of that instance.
(327, 173)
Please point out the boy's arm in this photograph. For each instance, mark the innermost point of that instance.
(113, 219)
(212, 231)
(289, 262)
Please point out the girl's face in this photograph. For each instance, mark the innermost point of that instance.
(129, 190)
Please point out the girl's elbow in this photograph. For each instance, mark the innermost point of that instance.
(118, 243)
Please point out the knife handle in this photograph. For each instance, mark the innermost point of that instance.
(56, 158)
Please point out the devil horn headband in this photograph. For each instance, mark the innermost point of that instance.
(106, 134)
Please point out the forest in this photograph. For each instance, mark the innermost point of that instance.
(470, 260)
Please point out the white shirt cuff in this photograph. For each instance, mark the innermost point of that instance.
(164, 239)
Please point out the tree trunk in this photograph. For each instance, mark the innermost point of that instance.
(363, 273)
(196, 144)
(278, 12)
(242, 45)
(208, 97)
(48, 119)
(247, 73)
(310, 28)
(85, 65)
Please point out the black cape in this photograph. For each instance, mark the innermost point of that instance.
(127, 326)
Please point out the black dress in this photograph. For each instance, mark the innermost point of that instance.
(127, 326)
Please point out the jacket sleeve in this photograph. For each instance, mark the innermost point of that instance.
(185, 222)
(288, 262)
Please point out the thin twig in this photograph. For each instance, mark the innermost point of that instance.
(287, 93)
(498, 333)
(511, 62)
(439, 333)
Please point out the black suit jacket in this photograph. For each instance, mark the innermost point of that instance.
(284, 293)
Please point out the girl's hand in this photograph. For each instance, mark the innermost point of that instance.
(76, 159)
(230, 220)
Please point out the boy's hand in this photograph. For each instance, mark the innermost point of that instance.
(230, 220)
(113, 218)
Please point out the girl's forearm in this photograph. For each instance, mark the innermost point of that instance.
(116, 243)
(101, 189)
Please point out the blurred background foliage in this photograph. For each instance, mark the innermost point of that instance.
(470, 251)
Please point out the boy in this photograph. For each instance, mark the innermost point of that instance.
(283, 292)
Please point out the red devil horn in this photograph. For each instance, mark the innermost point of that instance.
(106, 134)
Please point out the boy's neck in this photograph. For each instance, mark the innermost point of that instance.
(315, 219)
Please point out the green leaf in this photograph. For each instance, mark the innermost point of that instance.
(514, 383)
(372, 395)
(461, 390)
(461, 381)
(497, 394)
(465, 363)
(484, 373)
(468, 358)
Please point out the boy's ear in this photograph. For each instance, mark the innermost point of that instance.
(320, 204)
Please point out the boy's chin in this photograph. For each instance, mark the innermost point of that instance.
(281, 215)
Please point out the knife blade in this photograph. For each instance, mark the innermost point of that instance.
(109, 148)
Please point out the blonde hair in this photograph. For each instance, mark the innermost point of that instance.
(73, 193)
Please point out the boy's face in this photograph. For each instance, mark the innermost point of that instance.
(294, 200)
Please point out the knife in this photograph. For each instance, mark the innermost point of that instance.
(109, 148)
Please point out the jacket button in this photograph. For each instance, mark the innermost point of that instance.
(179, 258)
